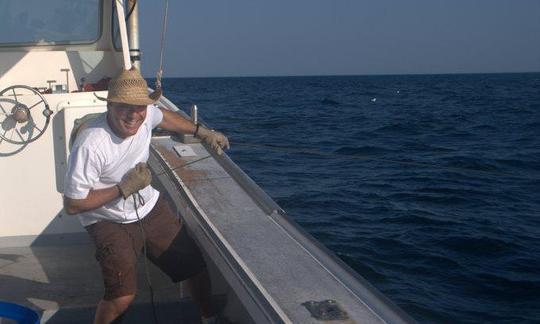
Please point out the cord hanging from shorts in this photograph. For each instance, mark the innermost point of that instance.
(138, 198)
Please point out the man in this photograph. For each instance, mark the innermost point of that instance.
(108, 186)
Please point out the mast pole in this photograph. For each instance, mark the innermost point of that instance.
(133, 34)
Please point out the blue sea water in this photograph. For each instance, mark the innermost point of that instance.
(429, 185)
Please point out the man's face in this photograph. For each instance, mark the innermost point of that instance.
(125, 119)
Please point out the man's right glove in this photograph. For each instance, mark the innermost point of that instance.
(135, 179)
(216, 140)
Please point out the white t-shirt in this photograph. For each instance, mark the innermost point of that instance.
(99, 159)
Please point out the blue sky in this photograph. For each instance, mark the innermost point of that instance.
(341, 37)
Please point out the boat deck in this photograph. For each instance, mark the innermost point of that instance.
(264, 268)
(60, 279)
(271, 264)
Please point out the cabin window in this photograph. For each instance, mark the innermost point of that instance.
(51, 22)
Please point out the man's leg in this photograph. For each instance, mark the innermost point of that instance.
(109, 310)
(176, 254)
(200, 289)
(117, 248)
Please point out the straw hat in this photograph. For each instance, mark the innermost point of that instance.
(129, 87)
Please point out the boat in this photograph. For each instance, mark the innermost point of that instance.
(264, 267)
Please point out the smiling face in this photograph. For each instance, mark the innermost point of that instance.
(125, 119)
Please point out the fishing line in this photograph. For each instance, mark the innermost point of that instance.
(184, 165)
(373, 158)
(292, 150)
(137, 196)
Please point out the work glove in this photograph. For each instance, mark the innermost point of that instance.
(216, 140)
(135, 179)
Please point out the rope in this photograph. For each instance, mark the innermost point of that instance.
(131, 10)
(159, 73)
(184, 165)
(368, 157)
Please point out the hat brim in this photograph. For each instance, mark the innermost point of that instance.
(136, 101)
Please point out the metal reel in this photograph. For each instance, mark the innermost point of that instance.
(19, 123)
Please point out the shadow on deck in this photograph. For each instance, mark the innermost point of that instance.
(60, 279)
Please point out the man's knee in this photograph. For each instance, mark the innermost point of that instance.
(123, 301)
(111, 311)
(119, 304)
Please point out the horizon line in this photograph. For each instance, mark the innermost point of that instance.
(338, 75)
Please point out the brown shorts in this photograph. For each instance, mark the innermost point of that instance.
(168, 246)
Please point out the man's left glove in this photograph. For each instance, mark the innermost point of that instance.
(216, 140)
(135, 179)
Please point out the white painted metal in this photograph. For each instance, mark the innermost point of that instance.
(32, 175)
(123, 33)
(133, 31)
(34, 68)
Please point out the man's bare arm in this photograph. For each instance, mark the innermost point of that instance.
(95, 199)
(175, 123)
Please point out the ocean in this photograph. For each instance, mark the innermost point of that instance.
(427, 185)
